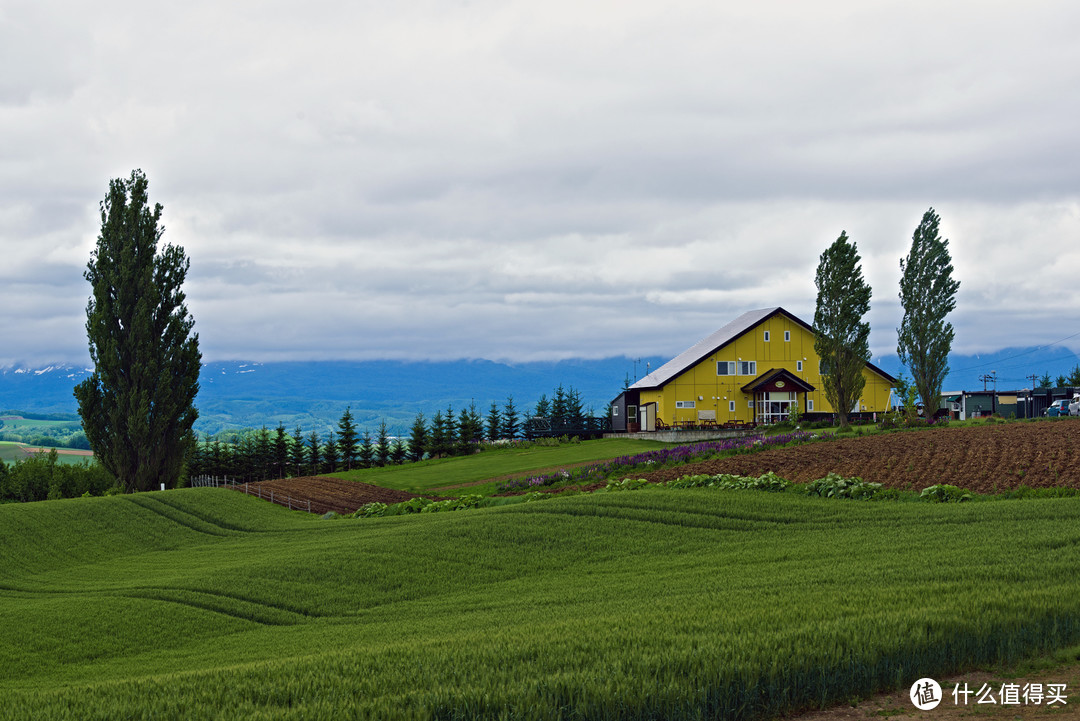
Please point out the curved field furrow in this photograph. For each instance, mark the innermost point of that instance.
(979, 458)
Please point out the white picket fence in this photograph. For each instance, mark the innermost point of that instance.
(298, 504)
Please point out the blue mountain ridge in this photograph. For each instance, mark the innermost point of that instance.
(313, 394)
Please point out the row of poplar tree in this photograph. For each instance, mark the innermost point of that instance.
(264, 454)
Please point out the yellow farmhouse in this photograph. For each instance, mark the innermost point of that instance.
(757, 368)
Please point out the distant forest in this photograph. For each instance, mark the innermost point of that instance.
(256, 455)
(53, 430)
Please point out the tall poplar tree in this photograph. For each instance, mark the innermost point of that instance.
(138, 407)
(841, 337)
(927, 294)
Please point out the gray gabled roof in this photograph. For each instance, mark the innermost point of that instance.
(704, 348)
(710, 344)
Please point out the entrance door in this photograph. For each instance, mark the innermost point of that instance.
(776, 406)
(647, 414)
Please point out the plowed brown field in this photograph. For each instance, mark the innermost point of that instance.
(989, 458)
(324, 493)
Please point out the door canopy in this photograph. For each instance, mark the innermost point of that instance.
(777, 379)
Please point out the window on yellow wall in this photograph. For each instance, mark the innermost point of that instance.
(748, 368)
(725, 368)
(685, 404)
(787, 336)
(766, 336)
(810, 405)
(731, 406)
(798, 366)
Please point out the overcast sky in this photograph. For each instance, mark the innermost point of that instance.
(538, 180)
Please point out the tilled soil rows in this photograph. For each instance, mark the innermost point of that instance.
(985, 459)
(324, 493)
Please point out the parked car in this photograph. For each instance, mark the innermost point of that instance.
(1074, 406)
(1058, 408)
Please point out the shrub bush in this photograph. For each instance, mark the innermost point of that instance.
(626, 484)
(768, 481)
(836, 486)
(43, 477)
(945, 493)
(370, 510)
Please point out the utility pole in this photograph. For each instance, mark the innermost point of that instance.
(985, 378)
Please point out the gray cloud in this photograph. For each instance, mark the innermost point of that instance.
(516, 181)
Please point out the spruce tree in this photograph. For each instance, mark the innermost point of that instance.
(928, 295)
(575, 410)
(510, 424)
(494, 423)
(438, 445)
(418, 438)
(382, 445)
(397, 451)
(330, 454)
(1074, 377)
(314, 453)
(138, 406)
(450, 426)
(263, 454)
(558, 406)
(470, 428)
(347, 441)
(297, 451)
(280, 450)
(841, 337)
(367, 450)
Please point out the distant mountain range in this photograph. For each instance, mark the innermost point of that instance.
(238, 394)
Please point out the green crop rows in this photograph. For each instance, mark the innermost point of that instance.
(673, 604)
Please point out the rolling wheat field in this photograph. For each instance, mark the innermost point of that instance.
(660, 603)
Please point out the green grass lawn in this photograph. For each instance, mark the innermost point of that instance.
(25, 424)
(11, 452)
(660, 603)
(424, 476)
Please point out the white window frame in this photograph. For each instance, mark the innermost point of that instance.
(787, 336)
(632, 414)
(766, 336)
(731, 406)
(729, 366)
(614, 411)
(686, 404)
(750, 368)
(809, 405)
(798, 366)
(750, 404)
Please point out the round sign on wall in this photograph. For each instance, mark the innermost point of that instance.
(779, 384)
